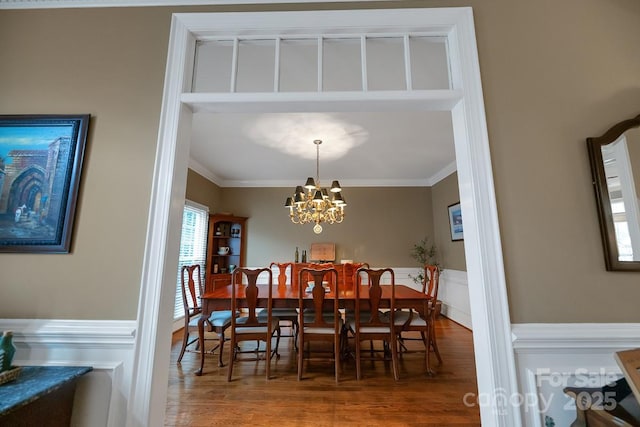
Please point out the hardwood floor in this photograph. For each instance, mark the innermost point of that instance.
(250, 400)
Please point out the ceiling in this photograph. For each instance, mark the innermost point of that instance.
(384, 148)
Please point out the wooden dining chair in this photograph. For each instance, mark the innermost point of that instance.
(249, 327)
(322, 321)
(284, 314)
(218, 322)
(372, 324)
(349, 271)
(424, 324)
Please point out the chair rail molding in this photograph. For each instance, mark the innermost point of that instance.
(550, 356)
(106, 345)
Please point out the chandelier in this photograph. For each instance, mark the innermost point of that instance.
(312, 204)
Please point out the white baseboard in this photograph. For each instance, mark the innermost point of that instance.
(550, 357)
(106, 345)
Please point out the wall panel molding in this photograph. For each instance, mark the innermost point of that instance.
(551, 356)
(105, 345)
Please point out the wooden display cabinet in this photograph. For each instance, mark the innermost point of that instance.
(225, 231)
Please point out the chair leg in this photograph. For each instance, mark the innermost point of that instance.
(358, 372)
(185, 339)
(232, 356)
(221, 346)
(427, 352)
(294, 332)
(394, 356)
(300, 353)
(424, 339)
(336, 356)
(403, 348)
(278, 342)
(267, 359)
(434, 344)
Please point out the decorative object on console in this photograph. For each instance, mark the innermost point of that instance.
(7, 350)
(323, 252)
(314, 205)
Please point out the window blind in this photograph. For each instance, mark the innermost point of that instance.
(193, 246)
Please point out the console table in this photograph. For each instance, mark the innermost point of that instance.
(40, 396)
(611, 405)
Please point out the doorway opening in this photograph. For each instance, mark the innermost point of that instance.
(490, 316)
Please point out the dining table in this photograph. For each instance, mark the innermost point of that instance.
(287, 296)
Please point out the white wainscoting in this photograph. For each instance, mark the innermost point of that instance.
(552, 356)
(454, 294)
(106, 345)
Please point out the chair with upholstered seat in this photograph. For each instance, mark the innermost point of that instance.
(321, 321)
(282, 313)
(218, 322)
(250, 327)
(374, 324)
(424, 324)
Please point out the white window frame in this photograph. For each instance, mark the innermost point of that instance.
(199, 256)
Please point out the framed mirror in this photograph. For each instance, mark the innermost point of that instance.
(615, 168)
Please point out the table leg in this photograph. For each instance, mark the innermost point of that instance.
(201, 343)
(430, 332)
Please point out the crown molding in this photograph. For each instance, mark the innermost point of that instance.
(62, 4)
(199, 168)
(442, 174)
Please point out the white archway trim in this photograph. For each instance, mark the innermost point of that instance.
(489, 309)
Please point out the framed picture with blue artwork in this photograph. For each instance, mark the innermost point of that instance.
(455, 222)
(40, 164)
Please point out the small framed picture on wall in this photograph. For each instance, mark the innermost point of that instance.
(455, 222)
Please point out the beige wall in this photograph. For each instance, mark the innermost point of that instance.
(553, 74)
(203, 191)
(451, 254)
(109, 63)
(381, 237)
